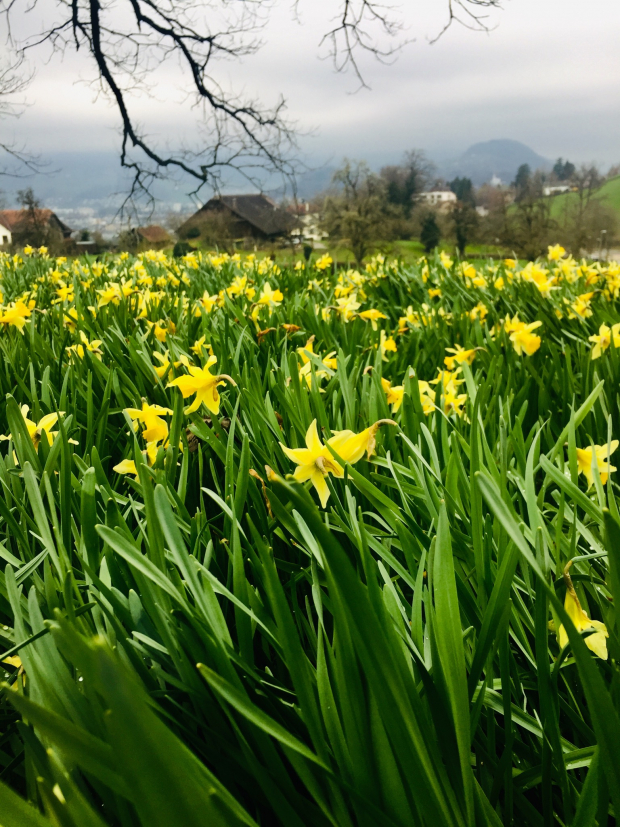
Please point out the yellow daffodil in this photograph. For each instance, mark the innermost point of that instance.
(36, 429)
(155, 428)
(478, 312)
(460, 355)
(597, 641)
(16, 315)
(324, 262)
(581, 305)
(601, 456)
(395, 394)
(315, 461)
(70, 319)
(523, 340)
(270, 298)
(126, 466)
(204, 384)
(110, 294)
(445, 260)
(198, 346)
(387, 345)
(555, 252)
(603, 338)
(84, 345)
(372, 316)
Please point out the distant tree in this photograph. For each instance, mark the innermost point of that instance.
(358, 211)
(464, 190)
(563, 170)
(407, 180)
(586, 214)
(84, 235)
(529, 226)
(522, 182)
(430, 234)
(465, 221)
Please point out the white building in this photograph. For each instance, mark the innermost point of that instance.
(5, 236)
(556, 190)
(440, 198)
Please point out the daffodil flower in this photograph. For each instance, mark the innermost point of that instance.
(555, 252)
(128, 466)
(16, 315)
(603, 338)
(269, 297)
(204, 384)
(395, 394)
(523, 340)
(315, 461)
(36, 429)
(601, 457)
(199, 345)
(155, 428)
(92, 347)
(459, 356)
(597, 641)
(372, 316)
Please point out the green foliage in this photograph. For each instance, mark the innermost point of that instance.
(200, 643)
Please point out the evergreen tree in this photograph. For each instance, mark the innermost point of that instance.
(430, 234)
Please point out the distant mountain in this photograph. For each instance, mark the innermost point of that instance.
(91, 180)
(500, 158)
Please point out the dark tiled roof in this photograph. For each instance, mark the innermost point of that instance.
(257, 210)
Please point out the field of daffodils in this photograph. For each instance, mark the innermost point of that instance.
(309, 547)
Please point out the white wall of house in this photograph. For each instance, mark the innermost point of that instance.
(5, 236)
(437, 197)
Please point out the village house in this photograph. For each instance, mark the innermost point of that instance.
(240, 217)
(20, 225)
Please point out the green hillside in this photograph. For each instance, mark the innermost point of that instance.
(609, 192)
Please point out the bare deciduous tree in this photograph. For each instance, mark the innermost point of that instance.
(128, 39)
(358, 212)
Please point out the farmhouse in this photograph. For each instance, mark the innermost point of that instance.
(21, 223)
(240, 216)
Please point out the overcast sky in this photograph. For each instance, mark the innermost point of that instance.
(548, 74)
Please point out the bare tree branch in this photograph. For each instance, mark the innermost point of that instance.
(129, 40)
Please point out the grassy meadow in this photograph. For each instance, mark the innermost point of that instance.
(289, 546)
